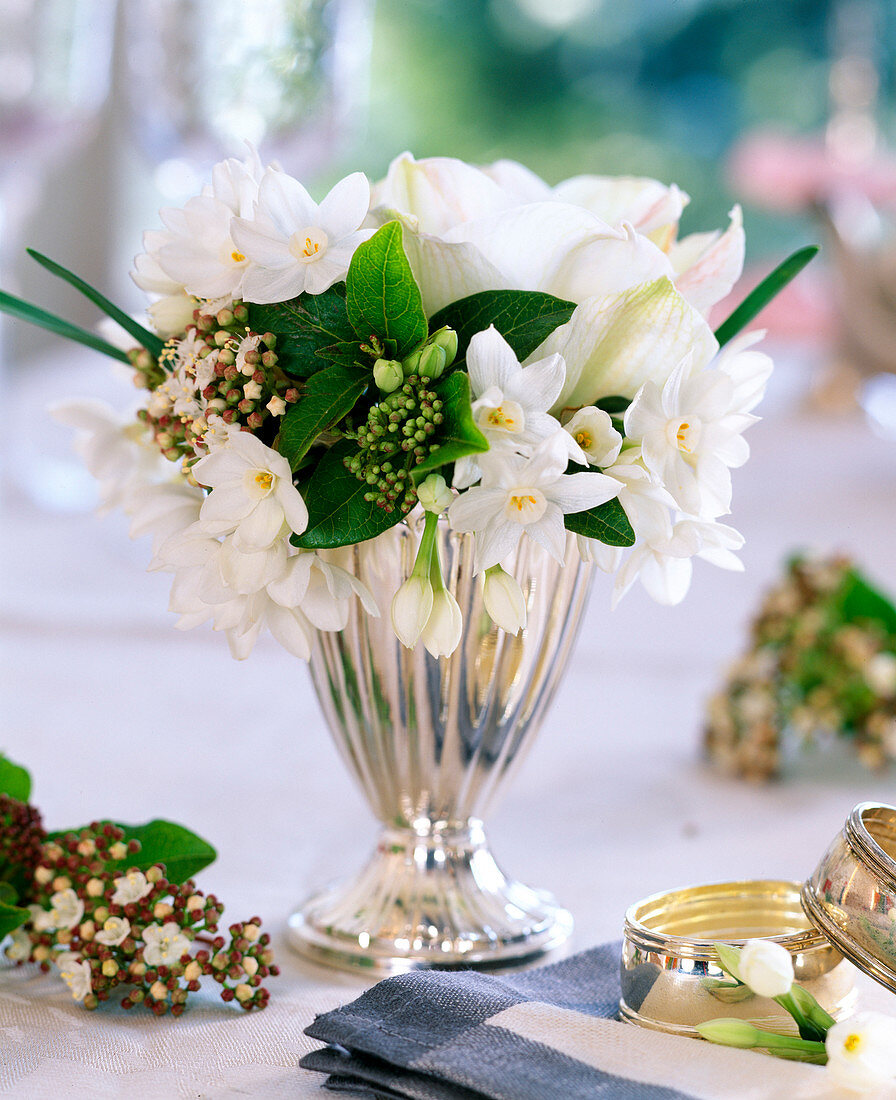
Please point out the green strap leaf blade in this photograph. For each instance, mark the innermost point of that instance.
(458, 434)
(303, 326)
(382, 295)
(759, 298)
(14, 780)
(11, 918)
(607, 523)
(34, 315)
(143, 336)
(525, 318)
(338, 514)
(331, 393)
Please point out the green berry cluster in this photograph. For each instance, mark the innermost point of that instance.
(396, 437)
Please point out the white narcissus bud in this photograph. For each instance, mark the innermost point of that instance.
(434, 494)
(862, 1052)
(443, 629)
(171, 315)
(730, 1032)
(593, 430)
(411, 607)
(766, 967)
(504, 600)
(432, 362)
(388, 374)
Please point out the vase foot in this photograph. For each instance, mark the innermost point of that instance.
(433, 899)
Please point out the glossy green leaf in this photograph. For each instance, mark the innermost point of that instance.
(525, 318)
(34, 315)
(182, 851)
(9, 895)
(14, 780)
(143, 336)
(770, 287)
(304, 326)
(382, 295)
(615, 406)
(458, 434)
(861, 600)
(338, 514)
(11, 918)
(607, 523)
(330, 394)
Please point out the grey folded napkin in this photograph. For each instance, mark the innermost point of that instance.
(465, 1035)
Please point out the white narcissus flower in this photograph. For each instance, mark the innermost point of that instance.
(510, 402)
(766, 967)
(252, 493)
(115, 930)
(504, 600)
(411, 608)
(528, 495)
(592, 429)
(75, 972)
(664, 567)
(862, 1052)
(164, 945)
(130, 888)
(295, 245)
(690, 435)
(68, 909)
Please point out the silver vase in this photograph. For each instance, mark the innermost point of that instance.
(429, 741)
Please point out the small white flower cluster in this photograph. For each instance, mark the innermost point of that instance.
(637, 342)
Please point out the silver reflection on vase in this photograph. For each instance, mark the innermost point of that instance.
(429, 741)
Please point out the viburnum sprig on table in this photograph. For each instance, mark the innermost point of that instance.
(542, 352)
(859, 1052)
(98, 904)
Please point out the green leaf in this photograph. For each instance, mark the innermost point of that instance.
(860, 600)
(11, 918)
(615, 406)
(304, 326)
(182, 851)
(14, 780)
(759, 298)
(607, 523)
(330, 394)
(347, 353)
(338, 514)
(457, 435)
(34, 315)
(142, 335)
(382, 296)
(525, 318)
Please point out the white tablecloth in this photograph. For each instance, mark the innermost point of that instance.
(119, 715)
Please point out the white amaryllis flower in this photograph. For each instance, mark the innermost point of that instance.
(690, 435)
(504, 600)
(252, 493)
(130, 888)
(664, 567)
(593, 431)
(707, 265)
(510, 402)
(528, 495)
(75, 972)
(164, 945)
(411, 608)
(115, 930)
(295, 245)
(862, 1052)
(766, 967)
(67, 909)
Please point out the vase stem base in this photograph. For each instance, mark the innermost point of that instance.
(429, 899)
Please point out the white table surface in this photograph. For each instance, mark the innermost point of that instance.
(118, 715)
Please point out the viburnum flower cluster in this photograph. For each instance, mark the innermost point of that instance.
(104, 927)
(526, 361)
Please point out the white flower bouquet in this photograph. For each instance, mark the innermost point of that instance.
(529, 360)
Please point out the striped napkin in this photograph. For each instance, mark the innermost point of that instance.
(533, 1035)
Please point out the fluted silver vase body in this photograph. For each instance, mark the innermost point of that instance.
(430, 741)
